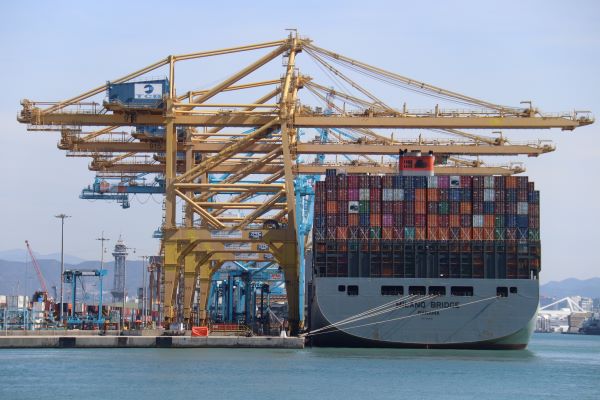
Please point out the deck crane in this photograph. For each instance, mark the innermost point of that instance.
(209, 235)
(38, 270)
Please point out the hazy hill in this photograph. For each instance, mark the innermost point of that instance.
(21, 255)
(18, 277)
(572, 287)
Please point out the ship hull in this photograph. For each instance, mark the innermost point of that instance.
(480, 321)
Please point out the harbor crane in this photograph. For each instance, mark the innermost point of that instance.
(234, 128)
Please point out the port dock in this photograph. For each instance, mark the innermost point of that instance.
(75, 341)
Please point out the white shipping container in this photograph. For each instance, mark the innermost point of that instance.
(2, 300)
(363, 194)
(388, 194)
(353, 207)
(432, 182)
(455, 181)
(398, 194)
(477, 221)
(522, 208)
(488, 182)
(488, 194)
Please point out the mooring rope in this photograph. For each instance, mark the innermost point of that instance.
(385, 308)
(319, 331)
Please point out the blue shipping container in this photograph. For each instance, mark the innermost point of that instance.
(139, 94)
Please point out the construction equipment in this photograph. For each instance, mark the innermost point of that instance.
(192, 139)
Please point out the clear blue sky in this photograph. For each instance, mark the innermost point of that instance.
(502, 51)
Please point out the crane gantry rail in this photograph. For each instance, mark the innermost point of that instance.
(258, 208)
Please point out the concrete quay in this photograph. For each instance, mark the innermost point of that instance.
(63, 341)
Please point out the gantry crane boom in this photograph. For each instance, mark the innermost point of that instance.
(211, 144)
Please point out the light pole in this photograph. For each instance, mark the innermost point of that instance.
(102, 239)
(62, 259)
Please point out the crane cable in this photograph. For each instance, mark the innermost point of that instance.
(319, 331)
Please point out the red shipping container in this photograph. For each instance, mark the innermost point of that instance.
(420, 233)
(408, 207)
(454, 207)
(465, 233)
(375, 219)
(353, 219)
(375, 194)
(432, 194)
(331, 194)
(488, 221)
(510, 207)
(409, 219)
(342, 232)
(420, 194)
(420, 220)
(477, 233)
(397, 207)
(488, 233)
(420, 207)
(522, 195)
(466, 208)
(432, 233)
(387, 207)
(387, 233)
(454, 220)
(353, 194)
(466, 182)
(375, 207)
(510, 182)
(444, 221)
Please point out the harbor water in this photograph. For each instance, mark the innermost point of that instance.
(553, 367)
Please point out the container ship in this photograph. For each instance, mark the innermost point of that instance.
(424, 261)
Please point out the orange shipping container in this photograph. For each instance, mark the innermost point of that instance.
(465, 207)
(353, 219)
(443, 233)
(432, 194)
(488, 233)
(432, 233)
(454, 220)
(420, 194)
(432, 220)
(342, 232)
(465, 233)
(375, 219)
(420, 206)
(331, 207)
(420, 233)
(488, 221)
(477, 233)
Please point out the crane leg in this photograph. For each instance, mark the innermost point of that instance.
(171, 280)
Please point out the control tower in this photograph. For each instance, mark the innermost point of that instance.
(120, 254)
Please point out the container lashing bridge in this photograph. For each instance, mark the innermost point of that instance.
(261, 207)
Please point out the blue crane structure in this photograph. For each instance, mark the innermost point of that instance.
(71, 276)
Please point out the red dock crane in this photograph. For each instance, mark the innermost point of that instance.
(37, 269)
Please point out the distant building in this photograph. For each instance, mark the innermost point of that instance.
(120, 254)
(586, 303)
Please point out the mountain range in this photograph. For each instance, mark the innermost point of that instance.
(19, 277)
(21, 255)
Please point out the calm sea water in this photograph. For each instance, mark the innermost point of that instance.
(554, 367)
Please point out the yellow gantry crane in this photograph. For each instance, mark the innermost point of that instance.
(235, 219)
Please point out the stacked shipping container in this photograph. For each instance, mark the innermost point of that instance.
(383, 224)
